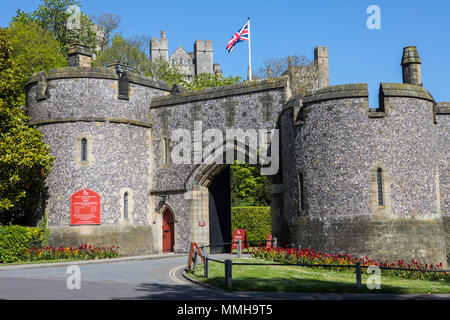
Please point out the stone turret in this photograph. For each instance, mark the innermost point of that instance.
(203, 52)
(411, 66)
(79, 55)
(321, 60)
(159, 48)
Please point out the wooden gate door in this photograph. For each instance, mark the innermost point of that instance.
(168, 231)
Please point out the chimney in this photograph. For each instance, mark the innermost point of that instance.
(411, 66)
(79, 55)
(321, 60)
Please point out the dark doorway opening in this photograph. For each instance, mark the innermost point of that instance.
(220, 212)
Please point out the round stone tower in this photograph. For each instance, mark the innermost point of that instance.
(97, 125)
(359, 180)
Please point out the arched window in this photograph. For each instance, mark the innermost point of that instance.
(125, 205)
(84, 149)
(380, 186)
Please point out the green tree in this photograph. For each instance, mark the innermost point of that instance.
(124, 52)
(163, 70)
(205, 80)
(33, 48)
(25, 160)
(248, 186)
(66, 26)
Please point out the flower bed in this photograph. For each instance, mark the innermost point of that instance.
(83, 252)
(309, 256)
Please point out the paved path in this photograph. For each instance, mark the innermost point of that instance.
(154, 277)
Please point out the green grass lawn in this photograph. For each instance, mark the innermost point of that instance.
(304, 279)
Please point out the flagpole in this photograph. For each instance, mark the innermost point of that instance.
(249, 73)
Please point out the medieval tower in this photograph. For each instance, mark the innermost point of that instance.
(199, 61)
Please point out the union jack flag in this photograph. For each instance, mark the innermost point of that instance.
(241, 35)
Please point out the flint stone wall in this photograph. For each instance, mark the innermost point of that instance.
(338, 146)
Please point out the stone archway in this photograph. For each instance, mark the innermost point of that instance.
(198, 185)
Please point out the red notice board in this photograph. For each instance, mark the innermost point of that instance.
(239, 234)
(84, 207)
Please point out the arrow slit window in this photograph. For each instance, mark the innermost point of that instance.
(84, 149)
(380, 186)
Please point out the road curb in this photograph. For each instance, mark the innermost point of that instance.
(201, 283)
(92, 261)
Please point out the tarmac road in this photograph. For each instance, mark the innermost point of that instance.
(156, 277)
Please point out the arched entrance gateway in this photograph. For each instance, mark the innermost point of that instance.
(168, 231)
(209, 188)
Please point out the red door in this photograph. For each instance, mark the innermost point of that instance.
(168, 231)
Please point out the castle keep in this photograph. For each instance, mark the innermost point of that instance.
(353, 178)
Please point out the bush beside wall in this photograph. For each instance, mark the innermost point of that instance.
(257, 221)
(15, 239)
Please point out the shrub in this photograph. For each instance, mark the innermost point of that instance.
(15, 239)
(256, 220)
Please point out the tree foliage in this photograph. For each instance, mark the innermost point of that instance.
(248, 186)
(108, 22)
(33, 48)
(125, 52)
(53, 15)
(25, 160)
(207, 80)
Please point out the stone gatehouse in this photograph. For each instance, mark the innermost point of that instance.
(351, 177)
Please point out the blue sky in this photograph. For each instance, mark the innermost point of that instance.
(281, 28)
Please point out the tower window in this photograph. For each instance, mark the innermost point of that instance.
(125, 205)
(380, 186)
(165, 151)
(301, 192)
(84, 149)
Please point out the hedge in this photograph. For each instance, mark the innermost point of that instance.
(257, 221)
(15, 239)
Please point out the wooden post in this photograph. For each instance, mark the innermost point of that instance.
(195, 261)
(239, 248)
(206, 267)
(191, 248)
(228, 273)
(358, 275)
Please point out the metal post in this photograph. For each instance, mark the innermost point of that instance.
(206, 267)
(358, 275)
(228, 273)
(239, 248)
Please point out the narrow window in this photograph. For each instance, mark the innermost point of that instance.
(380, 187)
(84, 149)
(301, 192)
(165, 151)
(125, 205)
